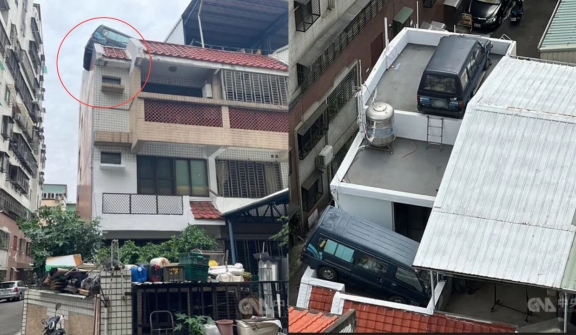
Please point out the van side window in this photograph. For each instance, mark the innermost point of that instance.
(408, 278)
(339, 250)
(370, 263)
(471, 66)
(464, 79)
(477, 53)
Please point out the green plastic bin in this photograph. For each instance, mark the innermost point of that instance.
(196, 272)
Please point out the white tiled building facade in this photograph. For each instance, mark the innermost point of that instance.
(183, 124)
(22, 148)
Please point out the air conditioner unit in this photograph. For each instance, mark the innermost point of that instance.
(207, 91)
(325, 157)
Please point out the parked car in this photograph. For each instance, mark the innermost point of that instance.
(489, 14)
(12, 290)
(364, 254)
(453, 75)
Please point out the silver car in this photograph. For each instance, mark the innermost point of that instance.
(12, 290)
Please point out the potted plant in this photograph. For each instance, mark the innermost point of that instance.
(247, 276)
(196, 324)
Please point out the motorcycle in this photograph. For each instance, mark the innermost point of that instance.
(517, 11)
(54, 325)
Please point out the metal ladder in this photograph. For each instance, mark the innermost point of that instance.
(430, 131)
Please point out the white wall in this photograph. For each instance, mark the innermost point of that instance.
(176, 36)
(373, 210)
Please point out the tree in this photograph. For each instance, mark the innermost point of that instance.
(54, 232)
(283, 236)
(192, 237)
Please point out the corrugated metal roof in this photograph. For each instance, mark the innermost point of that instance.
(561, 32)
(505, 208)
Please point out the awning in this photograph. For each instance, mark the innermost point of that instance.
(15, 270)
(23, 265)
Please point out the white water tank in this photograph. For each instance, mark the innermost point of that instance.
(379, 124)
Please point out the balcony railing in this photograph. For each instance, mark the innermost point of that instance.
(23, 121)
(35, 30)
(11, 207)
(142, 204)
(20, 84)
(4, 39)
(20, 148)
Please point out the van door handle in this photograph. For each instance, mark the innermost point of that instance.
(393, 284)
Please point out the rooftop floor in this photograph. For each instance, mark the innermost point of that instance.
(411, 168)
(399, 83)
(479, 303)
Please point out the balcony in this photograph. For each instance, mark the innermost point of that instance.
(4, 5)
(11, 207)
(17, 177)
(4, 39)
(190, 120)
(141, 204)
(23, 121)
(35, 30)
(129, 214)
(19, 82)
(20, 148)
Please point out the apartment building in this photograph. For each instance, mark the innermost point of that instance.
(55, 195)
(22, 148)
(206, 136)
(334, 46)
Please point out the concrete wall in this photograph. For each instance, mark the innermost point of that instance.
(374, 210)
(83, 316)
(15, 255)
(568, 56)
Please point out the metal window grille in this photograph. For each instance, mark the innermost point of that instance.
(248, 119)
(308, 140)
(255, 87)
(342, 93)
(240, 179)
(331, 4)
(12, 207)
(182, 113)
(4, 240)
(306, 14)
(141, 204)
(325, 60)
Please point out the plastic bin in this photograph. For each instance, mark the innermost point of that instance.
(196, 272)
(174, 274)
(194, 259)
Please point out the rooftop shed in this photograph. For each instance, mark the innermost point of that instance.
(558, 42)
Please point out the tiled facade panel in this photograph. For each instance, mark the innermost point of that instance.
(182, 113)
(111, 99)
(113, 181)
(241, 118)
(115, 120)
(171, 150)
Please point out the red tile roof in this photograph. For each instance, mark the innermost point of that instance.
(115, 53)
(380, 319)
(204, 210)
(216, 56)
(321, 299)
(305, 321)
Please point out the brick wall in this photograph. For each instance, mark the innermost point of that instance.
(14, 256)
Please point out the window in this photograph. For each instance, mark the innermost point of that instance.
(370, 263)
(255, 87)
(472, 66)
(301, 71)
(308, 137)
(28, 249)
(464, 78)
(22, 246)
(111, 80)
(4, 162)
(4, 240)
(342, 93)
(338, 250)
(408, 278)
(7, 95)
(240, 179)
(15, 243)
(18, 178)
(111, 158)
(312, 191)
(439, 83)
(306, 12)
(7, 126)
(172, 176)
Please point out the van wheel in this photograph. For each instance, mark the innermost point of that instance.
(397, 299)
(327, 273)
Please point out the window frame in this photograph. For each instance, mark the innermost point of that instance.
(4, 240)
(339, 246)
(109, 155)
(111, 80)
(405, 283)
(373, 260)
(308, 203)
(305, 15)
(243, 186)
(155, 160)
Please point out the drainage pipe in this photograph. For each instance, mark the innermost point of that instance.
(200, 23)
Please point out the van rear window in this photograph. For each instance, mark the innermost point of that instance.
(338, 250)
(441, 84)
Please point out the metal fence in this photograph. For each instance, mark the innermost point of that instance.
(230, 301)
(143, 204)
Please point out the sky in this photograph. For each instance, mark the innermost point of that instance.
(154, 20)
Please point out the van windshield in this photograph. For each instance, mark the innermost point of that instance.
(440, 84)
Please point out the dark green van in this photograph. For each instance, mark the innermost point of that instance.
(361, 253)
